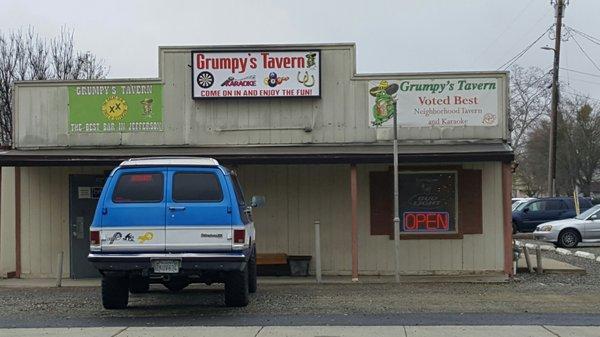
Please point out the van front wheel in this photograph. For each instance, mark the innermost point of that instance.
(236, 288)
(115, 292)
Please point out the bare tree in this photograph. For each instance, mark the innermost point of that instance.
(529, 102)
(27, 56)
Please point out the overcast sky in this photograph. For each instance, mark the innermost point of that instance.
(391, 36)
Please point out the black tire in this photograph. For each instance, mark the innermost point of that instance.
(568, 238)
(514, 228)
(115, 292)
(139, 285)
(236, 289)
(252, 281)
(177, 284)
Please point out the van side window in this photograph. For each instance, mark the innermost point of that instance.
(238, 190)
(196, 187)
(139, 187)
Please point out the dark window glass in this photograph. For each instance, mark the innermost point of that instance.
(139, 187)
(427, 202)
(193, 187)
(537, 206)
(238, 190)
(553, 205)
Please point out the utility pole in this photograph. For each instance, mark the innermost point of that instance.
(559, 6)
(396, 205)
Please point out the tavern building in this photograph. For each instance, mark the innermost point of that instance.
(312, 136)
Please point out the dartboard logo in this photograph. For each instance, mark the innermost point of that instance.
(205, 79)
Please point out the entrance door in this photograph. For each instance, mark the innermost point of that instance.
(84, 191)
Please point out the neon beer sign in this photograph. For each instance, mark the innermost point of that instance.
(426, 222)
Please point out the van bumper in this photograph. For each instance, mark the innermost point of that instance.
(189, 261)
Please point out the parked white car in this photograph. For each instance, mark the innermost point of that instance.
(569, 232)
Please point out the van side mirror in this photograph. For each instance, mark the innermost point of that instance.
(257, 201)
(526, 209)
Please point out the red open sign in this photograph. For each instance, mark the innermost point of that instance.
(426, 222)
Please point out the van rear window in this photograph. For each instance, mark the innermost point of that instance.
(196, 187)
(139, 187)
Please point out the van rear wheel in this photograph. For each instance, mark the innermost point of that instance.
(115, 292)
(237, 288)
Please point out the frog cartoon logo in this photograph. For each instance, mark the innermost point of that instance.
(385, 102)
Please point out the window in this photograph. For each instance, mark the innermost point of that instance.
(139, 187)
(444, 203)
(537, 206)
(427, 202)
(238, 190)
(196, 187)
(553, 205)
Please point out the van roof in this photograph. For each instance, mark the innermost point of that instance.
(170, 161)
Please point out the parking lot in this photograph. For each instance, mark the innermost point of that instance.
(301, 303)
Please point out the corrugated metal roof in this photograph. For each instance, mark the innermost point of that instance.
(331, 153)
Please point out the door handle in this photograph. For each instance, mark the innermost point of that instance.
(176, 208)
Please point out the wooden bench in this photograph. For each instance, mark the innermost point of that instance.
(272, 264)
(271, 259)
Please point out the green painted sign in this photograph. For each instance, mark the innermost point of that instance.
(124, 107)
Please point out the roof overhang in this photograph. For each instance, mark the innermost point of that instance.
(297, 154)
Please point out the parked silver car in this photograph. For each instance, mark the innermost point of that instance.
(569, 232)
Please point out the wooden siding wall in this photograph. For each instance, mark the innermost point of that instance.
(7, 222)
(296, 196)
(45, 218)
(339, 116)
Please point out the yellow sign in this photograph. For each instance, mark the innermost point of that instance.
(146, 237)
(114, 108)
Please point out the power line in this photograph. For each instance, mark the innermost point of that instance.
(508, 27)
(579, 94)
(580, 72)
(583, 50)
(587, 36)
(521, 53)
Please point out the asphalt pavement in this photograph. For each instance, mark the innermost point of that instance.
(314, 331)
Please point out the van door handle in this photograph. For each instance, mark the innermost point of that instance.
(176, 208)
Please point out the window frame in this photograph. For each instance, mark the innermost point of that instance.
(114, 190)
(456, 203)
(172, 188)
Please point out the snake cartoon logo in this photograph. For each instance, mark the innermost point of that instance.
(385, 102)
(274, 81)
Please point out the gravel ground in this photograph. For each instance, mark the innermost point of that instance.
(527, 294)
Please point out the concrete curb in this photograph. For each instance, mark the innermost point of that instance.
(585, 255)
(548, 248)
(563, 251)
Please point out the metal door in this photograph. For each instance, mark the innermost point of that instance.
(84, 191)
(198, 211)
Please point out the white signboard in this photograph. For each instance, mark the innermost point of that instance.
(442, 102)
(256, 74)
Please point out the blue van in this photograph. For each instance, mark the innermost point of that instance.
(173, 221)
(527, 215)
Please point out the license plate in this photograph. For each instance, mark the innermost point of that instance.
(166, 266)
